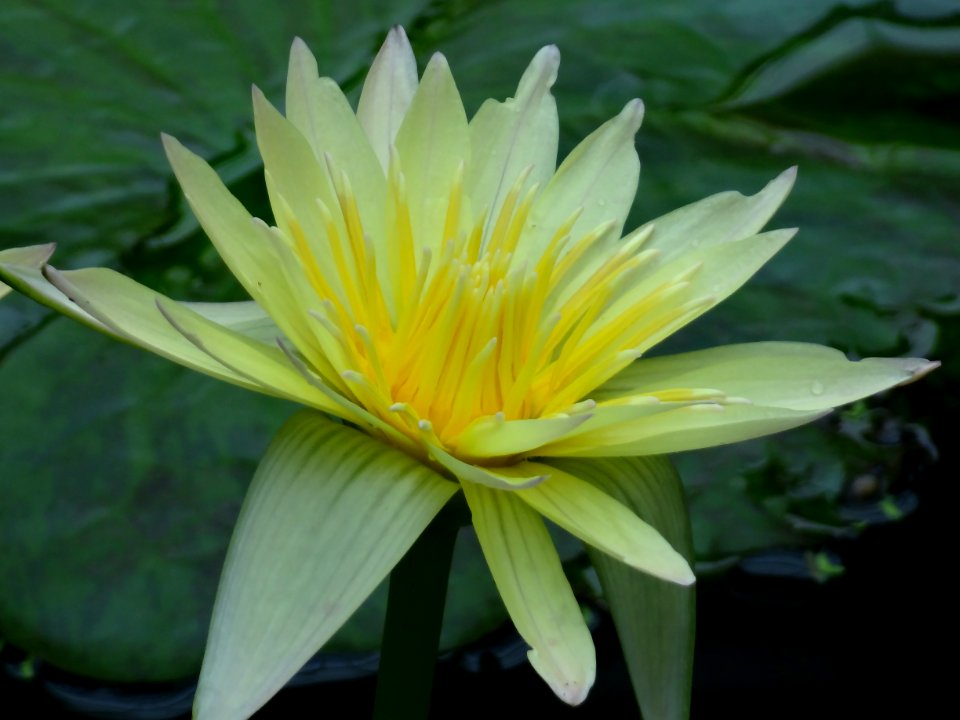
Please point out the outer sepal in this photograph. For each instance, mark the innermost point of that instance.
(655, 620)
(329, 513)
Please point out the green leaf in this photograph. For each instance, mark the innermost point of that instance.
(654, 619)
(91, 84)
(121, 479)
(329, 513)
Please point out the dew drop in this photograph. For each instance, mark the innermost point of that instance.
(817, 387)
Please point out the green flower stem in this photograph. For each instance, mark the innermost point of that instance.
(411, 636)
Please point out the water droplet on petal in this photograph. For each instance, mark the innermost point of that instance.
(817, 387)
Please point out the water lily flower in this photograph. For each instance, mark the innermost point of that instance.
(469, 311)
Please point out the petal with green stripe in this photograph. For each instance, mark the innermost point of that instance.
(329, 513)
(530, 579)
(599, 520)
(128, 310)
(655, 620)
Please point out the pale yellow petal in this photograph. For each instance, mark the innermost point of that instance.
(433, 143)
(27, 260)
(596, 518)
(509, 137)
(129, 310)
(328, 515)
(489, 437)
(265, 365)
(491, 477)
(720, 218)
(798, 376)
(528, 574)
(296, 178)
(687, 428)
(227, 224)
(317, 107)
(24, 270)
(246, 318)
(709, 276)
(387, 93)
(599, 178)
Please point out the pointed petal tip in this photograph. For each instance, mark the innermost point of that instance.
(532, 482)
(633, 113)
(302, 59)
(548, 58)
(397, 34)
(573, 691)
(172, 147)
(263, 109)
(686, 578)
(50, 248)
(438, 61)
(30, 255)
(922, 368)
(675, 569)
(787, 179)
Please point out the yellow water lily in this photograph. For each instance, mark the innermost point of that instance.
(470, 311)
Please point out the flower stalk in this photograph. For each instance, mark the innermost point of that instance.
(411, 635)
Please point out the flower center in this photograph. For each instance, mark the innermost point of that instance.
(481, 328)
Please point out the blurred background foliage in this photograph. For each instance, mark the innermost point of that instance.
(121, 474)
